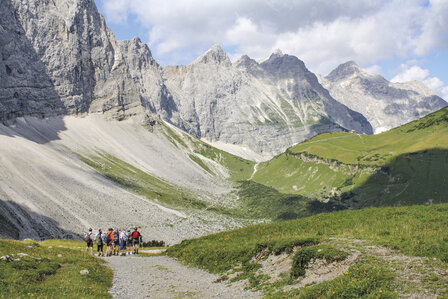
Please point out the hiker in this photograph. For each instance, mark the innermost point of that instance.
(108, 240)
(116, 245)
(88, 238)
(99, 241)
(136, 236)
(129, 241)
(123, 240)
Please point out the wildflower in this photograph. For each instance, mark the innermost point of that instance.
(381, 291)
(346, 273)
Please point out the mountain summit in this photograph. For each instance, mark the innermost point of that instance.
(214, 55)
(386, 105)
(344, 70)
(72, 64)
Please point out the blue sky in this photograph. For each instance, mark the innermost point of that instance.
(400, 39)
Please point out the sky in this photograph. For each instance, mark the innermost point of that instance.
(401, 40)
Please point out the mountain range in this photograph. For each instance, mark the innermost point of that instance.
(96, 132)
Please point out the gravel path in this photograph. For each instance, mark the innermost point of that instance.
(164, 277)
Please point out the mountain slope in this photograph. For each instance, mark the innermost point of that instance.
(265, 107)
(386, 105)
(62, 175)
(74, 58)
(406, 165)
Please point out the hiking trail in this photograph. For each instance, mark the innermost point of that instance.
(164, 277)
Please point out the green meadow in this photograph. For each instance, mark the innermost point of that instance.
(51, 269)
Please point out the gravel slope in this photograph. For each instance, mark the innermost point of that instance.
(163, 277)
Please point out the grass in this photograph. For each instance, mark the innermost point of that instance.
(414, 230)
(239, 168)
(404, 166)
(41, 273)
(141, 182)
(260, 201)
(366, 279)
(303, 257)
(426, 133)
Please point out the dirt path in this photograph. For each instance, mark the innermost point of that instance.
(163, 277)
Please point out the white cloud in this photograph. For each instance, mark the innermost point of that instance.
(322, 33)
(373, 69)
(409, 73)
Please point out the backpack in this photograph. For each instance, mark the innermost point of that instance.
(106, 238)
(87, 238)
(116, 236)
(135, 235)
(98, 240)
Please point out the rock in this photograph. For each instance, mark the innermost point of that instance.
(265, 106)
(50, 247)
(84, 272)
(385, 105)
(6, 258)
(30, 246)
(59, 255)
(22, 254)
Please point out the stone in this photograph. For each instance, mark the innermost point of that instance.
(386, 105)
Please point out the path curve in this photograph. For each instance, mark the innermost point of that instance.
(164, 277)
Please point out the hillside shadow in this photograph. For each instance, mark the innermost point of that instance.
(25, 87)
(19, 222)
(409, 179)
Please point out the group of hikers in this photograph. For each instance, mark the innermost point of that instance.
(118, 242)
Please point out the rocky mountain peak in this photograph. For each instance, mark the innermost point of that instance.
(215, 55)
(345, 70)
(246, 62)
(284, 65)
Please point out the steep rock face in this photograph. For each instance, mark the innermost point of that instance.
(73, 64)
(386, 105)
(25, 87)
(266, 107)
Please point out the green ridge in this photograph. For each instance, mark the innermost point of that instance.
(406, 165)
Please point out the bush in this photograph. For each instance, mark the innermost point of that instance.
(154, 243)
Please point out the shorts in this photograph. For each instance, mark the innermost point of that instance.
(116, 243)
(90, 244)
(135, 242)
(123, 245)
(129, 243)
(99, 248)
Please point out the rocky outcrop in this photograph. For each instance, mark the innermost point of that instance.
(386, 105)
(60, 57)
(265, 106)
(25, 87)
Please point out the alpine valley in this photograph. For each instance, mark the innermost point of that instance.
(95, 132)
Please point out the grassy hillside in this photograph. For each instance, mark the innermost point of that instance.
(414, 231)
(406, 165)
(51, 269)
(202, 154)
